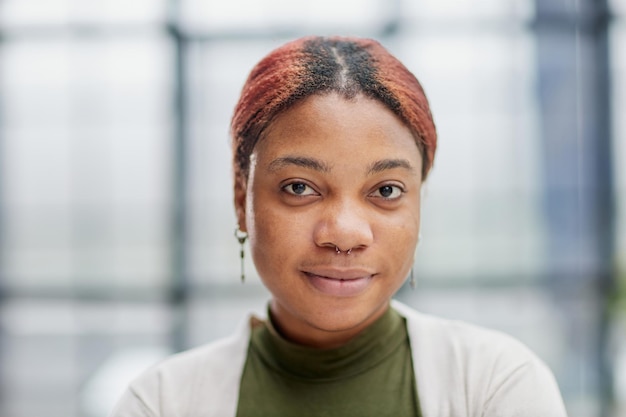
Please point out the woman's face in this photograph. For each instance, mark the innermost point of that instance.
(332, 174)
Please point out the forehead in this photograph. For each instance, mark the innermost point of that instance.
(330, 126)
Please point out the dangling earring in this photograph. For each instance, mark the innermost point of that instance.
(241, 237)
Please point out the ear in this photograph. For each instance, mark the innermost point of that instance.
(240, 202)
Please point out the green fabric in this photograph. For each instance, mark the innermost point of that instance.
(370, 376)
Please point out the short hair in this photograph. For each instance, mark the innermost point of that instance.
(320, 65)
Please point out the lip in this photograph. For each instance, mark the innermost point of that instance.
(339, 282)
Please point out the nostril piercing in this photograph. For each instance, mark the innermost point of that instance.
(338, 251)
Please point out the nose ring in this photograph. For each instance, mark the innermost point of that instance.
(338, 251)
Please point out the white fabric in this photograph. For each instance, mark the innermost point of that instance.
(461, 371)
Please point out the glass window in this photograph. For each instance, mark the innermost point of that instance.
(618, 7)
(468, 10)
(51, 349)
(86, 161)
(618, 38)
(274, 15)
(34, 13)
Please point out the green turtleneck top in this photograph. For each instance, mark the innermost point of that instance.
(372, 375)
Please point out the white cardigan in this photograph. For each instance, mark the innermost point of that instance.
(461, 371)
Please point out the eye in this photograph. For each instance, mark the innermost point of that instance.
(388, 192)
(298, 189)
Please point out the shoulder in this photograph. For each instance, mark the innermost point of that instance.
(460, 337)
(478, 369)
(214, 356)
(206, 377)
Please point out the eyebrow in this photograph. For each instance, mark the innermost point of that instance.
(385, 164)
(300, 161)
(320, 166)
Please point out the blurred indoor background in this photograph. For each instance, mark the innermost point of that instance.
(116, 220)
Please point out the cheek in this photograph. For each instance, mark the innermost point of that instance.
(402, 245)
(401, 236)
(276, 234)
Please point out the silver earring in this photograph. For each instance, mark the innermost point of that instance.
(241, 237)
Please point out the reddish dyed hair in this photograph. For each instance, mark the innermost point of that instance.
(321, 65)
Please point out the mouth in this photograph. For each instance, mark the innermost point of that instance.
(339, 283)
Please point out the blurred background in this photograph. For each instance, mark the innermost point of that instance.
(116, 219)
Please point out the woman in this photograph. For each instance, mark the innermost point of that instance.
(332, 140)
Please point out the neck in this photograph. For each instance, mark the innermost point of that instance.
(319, 334)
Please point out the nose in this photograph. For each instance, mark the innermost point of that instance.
(344, 226)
